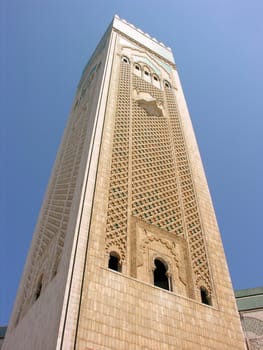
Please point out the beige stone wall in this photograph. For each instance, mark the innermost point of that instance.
(125, 310)
(124, 313)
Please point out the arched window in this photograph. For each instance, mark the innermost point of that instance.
(137, 70)
(156, 81)
(160, 275)
(39, 287)
(147, 74)
(125, 59)
(205, 298)
(167, 84)
(114, 262)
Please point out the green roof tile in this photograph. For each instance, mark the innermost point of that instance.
(248, 299)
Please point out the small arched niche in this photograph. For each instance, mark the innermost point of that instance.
(160, 277)
(137, 70)
(114, 262)
(125, 59)
(146, 74)
(205, 297)
(167, 85)
(156, 81)
(39, 287)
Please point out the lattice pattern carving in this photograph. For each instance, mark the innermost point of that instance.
(155, 197)
(170, 245)
(191, 213)
(161, 185)
(252, 326)
(55, 215)
(116, 227)
(256, 343)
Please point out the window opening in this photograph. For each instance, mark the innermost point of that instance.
(167, 84)
(125, 59)
(156, 81)
(137, 70)
(147, 75)
(159, 274)
(114, 262)
(39, 288)
(205, 297)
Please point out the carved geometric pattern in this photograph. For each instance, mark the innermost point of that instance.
(252, 325)
(155, 197)
(167, 243)
(116, 227)
(54, 216)
(150, 104)
(191, 213)
(256, 343)
(253, 329)
(162, 190)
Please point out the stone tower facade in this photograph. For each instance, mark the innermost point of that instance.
(127, 252)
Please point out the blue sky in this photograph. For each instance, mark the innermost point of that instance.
(218, 49)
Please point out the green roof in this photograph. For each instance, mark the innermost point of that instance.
(248, 292)
(249, 299)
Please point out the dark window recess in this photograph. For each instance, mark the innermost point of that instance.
(205, 297)
(114, 262)
(160, 278)
(125, 60)
(39, 288)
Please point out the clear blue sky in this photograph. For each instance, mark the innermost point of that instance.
(218, 48)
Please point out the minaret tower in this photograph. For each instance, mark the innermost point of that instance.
(127, 253)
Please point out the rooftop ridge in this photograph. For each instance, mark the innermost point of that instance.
(249, 292)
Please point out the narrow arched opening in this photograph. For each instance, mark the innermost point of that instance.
(156, 81)
(39, 287)
(160, 275)
(167, 85)
(205, 298)
(147, 74)
(114, 262)
(125, 59)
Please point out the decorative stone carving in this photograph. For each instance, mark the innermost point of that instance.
(117, 214)
(196, 242)
(160, 190)
(150, 104)
(170, 245)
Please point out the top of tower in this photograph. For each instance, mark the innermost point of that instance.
(143, 38)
